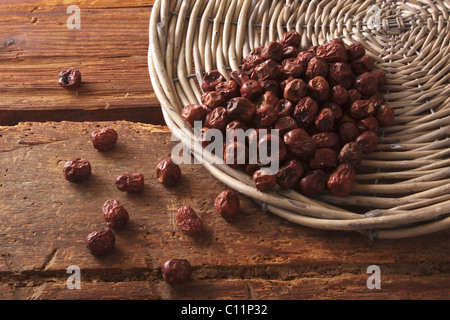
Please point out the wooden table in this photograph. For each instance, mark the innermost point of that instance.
(45, 219)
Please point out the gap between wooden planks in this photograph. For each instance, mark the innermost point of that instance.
(44, 220)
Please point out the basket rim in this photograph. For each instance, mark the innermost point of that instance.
(380, 223)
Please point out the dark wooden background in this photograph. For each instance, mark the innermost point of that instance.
(44, 219)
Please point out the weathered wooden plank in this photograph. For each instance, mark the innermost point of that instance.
(44, 220)
(110, 49)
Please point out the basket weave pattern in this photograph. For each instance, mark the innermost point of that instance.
(402, 189)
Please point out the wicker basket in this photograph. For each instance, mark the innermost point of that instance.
(403, 188)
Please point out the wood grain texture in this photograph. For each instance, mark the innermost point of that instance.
(110, 50)
(44, 220)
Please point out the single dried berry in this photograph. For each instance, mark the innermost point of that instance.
(366, 83)
(212, 100)
(104, 139)
(332, 51)
(299, 143)
(313, 183)
(317, 67)
(289, 174)
(265, 180)
(268, 70)
(70, 79)
(292, 68)
(351, 153)
(115, 214)
(325, 140)
(240, 109)
(227, 204)
(348, 131)
(290, 52)
(368, 141)
(284, 108)
(341, 181)
(251, 90)
(284, 125)
(130, 182)
(355, 50)
(217, 119)
(168, 172)
(266, 115)
(295, 90)
(176, 271)
(362, 64)
(211, 79)
(361, 109)
(325, 120)
(192, 113)
(229, 89)
(77, 170)
(324, 158)
(318, 89)
(339, 95)
(369, 123)
(340, 73)
(273, 50)
(101, 242)
(291, 38)
(385, 115)
(305, 112)
(188, 221)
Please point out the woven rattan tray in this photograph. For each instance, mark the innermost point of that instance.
(402, 189)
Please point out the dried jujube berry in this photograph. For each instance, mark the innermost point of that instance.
(212, 100)
(77, 170)
(130, 182)
(217, 119)
(313, 183)
(299, 143)
(368, 141)
(265, 180)
(104, 139)
(211, 79)
(100, 242)
(240, 109)
(227, 204)
(251, 90)
(289, 174)
(341, 181)
(188, 221)
(192, 113)
(351, 153)
(176, 271)
(115, 214)
(168, 172)
(70, 78)
(385, 115)
(324, 158)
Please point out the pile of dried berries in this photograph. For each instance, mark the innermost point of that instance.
(324, 102)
